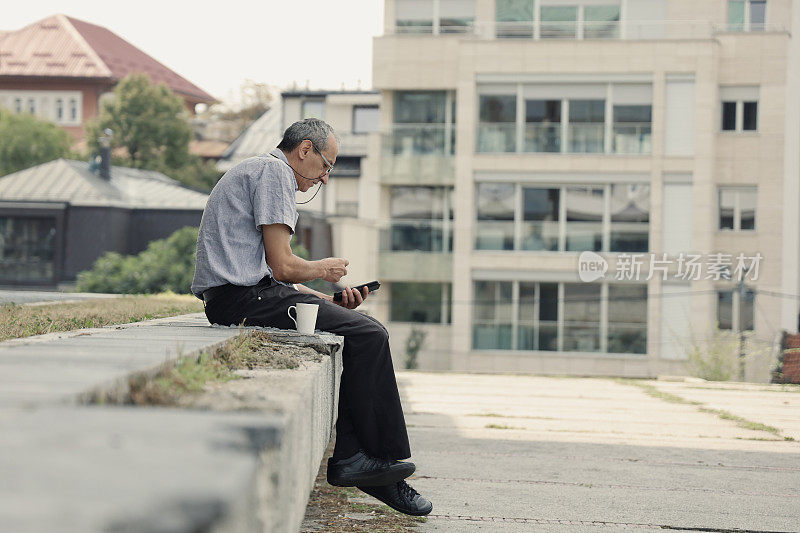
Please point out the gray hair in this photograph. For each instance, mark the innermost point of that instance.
(315, 130)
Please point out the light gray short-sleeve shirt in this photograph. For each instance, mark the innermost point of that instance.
(230, 249)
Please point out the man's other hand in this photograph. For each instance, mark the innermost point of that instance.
(351, 298)
(335, 268)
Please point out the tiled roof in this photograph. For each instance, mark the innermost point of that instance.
(62, 46)
(73, 182)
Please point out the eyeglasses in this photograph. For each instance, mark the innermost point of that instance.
(325, 159)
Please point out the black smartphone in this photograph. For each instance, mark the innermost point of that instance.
(372, 286)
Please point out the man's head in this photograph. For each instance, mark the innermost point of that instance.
(311, 147)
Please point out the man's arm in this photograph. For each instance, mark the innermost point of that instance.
(288, 267)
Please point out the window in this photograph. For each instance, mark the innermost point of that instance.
(418, 16)
(747, 15)
(735, 311)
(737, 208)
(601, 218)
(559, 22)
(601, 22)
(565, 118)
(456, 16)
(414, 16)
(366, 119)
(739, 108)
(420, 302)
(497, 123)
(59, 109)
(348, 167)
(518, 18)
(27, 249)
(73, 110)
(514, 18)
(31, 106)
(555, 316)
(313, 109)
(18, 105)
(421, 124)
(421, 220)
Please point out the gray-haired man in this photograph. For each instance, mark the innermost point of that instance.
(246, 273)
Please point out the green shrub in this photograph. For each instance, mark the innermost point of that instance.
(166, 265)
(414, 342)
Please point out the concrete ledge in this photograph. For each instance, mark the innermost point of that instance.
(70, 467)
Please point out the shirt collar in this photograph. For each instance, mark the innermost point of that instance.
(278, 153)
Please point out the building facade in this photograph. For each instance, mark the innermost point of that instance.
(528, 144)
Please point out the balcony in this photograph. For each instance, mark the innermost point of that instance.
(632, 138)
(429, 236)
(418, 154)
(628, 138)
(354, 144)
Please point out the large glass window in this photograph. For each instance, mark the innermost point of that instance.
(627, 318)
(366, 119)
(492, 316)
(419, 123)
(632, 129)
(540, 216)
(747, 15)
(514, 18)
(630, 217)
(456, 16)
(585, 208)
(588, 219)
(737, 208)
(27, 249)
(421, 219)
(420, 302)
(497, 126)
(495, 212)
(559, 22)
(543, 125)
(414, 16)
(727, 318)
(601, 22)
(529, 315)
(587, 126)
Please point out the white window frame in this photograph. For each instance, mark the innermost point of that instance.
(561, 286)
(519, 208)
(45, 104)
(737, 208)
(746, 24)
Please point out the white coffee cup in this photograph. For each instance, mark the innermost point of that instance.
(306, 317)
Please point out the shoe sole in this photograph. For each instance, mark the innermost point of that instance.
(398, 509)
(375, 479)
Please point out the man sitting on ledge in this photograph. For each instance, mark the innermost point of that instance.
(246, 274)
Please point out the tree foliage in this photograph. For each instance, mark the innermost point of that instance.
(26, 141)
(166, 265)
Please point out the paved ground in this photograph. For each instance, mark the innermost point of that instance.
(525, 453)
(8, 296)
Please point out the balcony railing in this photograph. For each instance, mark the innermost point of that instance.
(632, 138)
(418, 153)
(586, 137)
(573, 29)
(581, 138)
(432, 236)
(542, 137)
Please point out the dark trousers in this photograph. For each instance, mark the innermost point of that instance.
(370, 415)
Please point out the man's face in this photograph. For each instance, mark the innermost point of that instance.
(316, 163)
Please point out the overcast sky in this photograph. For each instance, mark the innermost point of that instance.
(327, 42)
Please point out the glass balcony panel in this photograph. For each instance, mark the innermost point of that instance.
(581, 337)
(548, 336)
(417, 236)
(514, 30)
(498, 137)
(582, 236)
(419, 153)
(540, 236)
(601, 22)
(630, 138)
(587, 138)
(494, 235)
(542, 137)
(630, 237)
(559, 22)
(491, 336)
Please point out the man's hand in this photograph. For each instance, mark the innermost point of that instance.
(335, 268)
(351, 298)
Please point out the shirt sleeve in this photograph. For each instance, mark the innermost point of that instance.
(273, 197)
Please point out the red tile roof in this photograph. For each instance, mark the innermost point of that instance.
(62, 46)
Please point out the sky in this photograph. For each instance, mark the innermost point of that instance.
(322, 43)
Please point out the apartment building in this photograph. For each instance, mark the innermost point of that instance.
(329, 224)
(528, 143)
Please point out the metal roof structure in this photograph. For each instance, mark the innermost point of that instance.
(64, 47)
(73, 182)
(262, 136)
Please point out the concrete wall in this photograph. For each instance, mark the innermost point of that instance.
(89, 233)
(149, 225)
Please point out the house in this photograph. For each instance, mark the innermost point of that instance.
(57, 218)
(519, 135)
(60, 67)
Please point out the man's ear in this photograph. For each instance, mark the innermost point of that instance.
(304, 149)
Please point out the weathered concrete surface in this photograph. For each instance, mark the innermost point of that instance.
(593, 454)
(21, 297)
(70, 467)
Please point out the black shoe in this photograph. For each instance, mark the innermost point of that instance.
(363, 470)
(401, 497)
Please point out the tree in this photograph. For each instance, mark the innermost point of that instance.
(148, 120)
(26, 141)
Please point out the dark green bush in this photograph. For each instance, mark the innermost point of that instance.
(166, 265)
